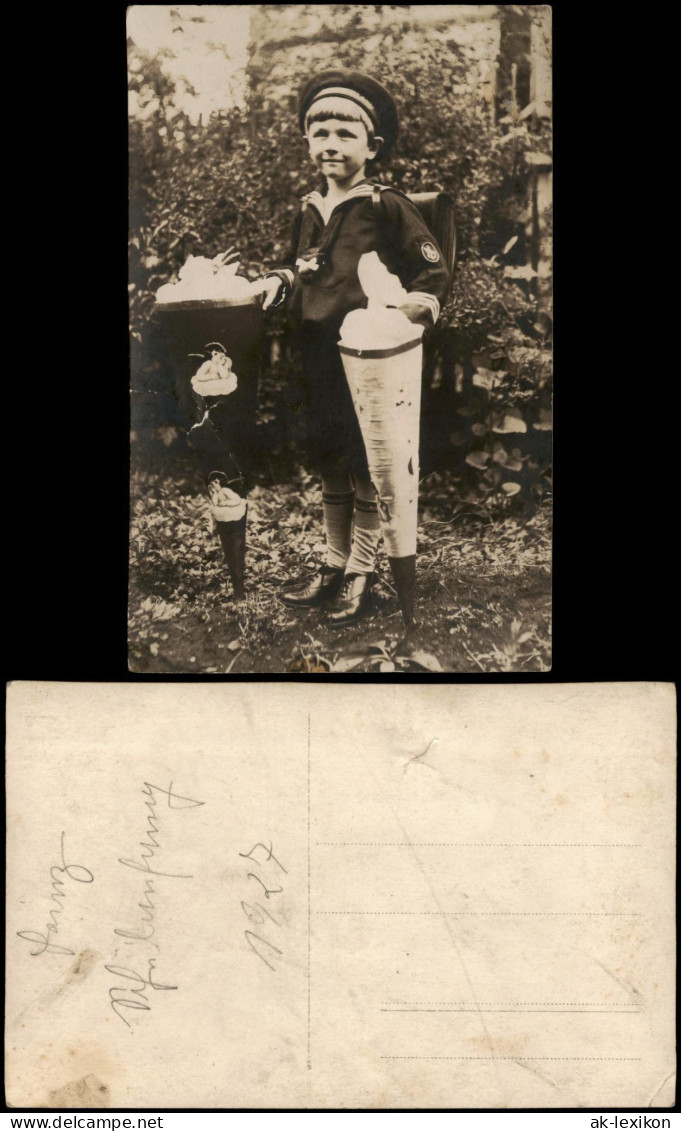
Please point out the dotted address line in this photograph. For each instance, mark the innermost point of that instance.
(531, 914)
(619, 1005)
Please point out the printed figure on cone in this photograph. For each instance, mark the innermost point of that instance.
(348, 119)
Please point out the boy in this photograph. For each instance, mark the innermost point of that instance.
(349, 118)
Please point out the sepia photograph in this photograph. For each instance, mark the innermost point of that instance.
(340, 295)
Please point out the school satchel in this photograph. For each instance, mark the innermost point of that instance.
(437, 210)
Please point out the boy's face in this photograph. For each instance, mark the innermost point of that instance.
(340, 149)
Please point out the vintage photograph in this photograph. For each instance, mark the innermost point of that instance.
(340, 289)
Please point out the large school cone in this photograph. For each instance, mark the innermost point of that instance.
(385, 386)
(229, 334)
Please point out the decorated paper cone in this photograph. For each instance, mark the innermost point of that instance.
(386, 391)
(223, 422)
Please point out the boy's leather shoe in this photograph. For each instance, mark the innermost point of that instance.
(352, 598)
(320, 587)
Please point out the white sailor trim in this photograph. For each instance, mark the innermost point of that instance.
(313, 197)
(317, 199)
(361, 190)
(422, 298)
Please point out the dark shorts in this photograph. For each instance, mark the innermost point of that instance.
(333, 434)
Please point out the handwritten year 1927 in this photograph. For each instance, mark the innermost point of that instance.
(264, 861)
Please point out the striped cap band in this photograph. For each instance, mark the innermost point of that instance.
(351, 95)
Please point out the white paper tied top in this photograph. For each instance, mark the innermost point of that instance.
(379, 285)
(201, 278)
(380, 325)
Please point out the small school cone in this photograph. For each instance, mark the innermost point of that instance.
(233, 538)
(404, 575)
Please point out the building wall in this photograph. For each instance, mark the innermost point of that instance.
(290, 39)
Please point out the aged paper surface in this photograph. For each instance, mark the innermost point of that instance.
(291, 895)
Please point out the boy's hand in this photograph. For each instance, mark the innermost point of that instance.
(415, 312)
(272, 287)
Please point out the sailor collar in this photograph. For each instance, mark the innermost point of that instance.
(363, 189)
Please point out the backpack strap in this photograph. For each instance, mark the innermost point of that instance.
(377, 198)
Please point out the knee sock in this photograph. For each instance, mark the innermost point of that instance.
(337, 507)
(366, 530)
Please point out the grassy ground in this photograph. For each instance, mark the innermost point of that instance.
(483, 587)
